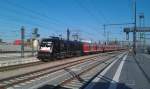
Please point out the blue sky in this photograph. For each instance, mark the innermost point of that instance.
(53, 17)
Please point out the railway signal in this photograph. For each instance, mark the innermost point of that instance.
(22, 40)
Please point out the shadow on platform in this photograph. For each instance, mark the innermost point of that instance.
(103, 84)
(98, 85)
(52, 87)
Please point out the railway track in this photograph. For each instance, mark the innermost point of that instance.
(13, 81)
(79, 81)
(13, 67)
(8, 82)
(18, 66)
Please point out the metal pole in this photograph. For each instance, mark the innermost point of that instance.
(22, 41)
(68, 34)
(107, 37)
(32, 46)
(134, 32)
(140, 33)
(140, 25)
(105, 32)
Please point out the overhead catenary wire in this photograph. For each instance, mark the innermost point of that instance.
(30, 15)
(92, 28)
(88, 11)
(23, 21)
(36, 13)
(91, 15)
(100, 12)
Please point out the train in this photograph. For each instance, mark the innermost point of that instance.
(55, 48)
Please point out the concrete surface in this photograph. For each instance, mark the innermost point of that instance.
(134, 74)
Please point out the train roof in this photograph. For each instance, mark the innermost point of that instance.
(57, 38)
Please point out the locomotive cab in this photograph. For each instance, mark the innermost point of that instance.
(45, 49)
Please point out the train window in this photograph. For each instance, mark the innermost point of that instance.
(46, 44)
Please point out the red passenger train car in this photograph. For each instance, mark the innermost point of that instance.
(86, 48)
(91, 48)
(17, 42)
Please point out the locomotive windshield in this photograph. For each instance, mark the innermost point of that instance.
(46, 45)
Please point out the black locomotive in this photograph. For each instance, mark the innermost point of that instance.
(55, 48)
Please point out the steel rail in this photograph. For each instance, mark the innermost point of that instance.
(41, 72)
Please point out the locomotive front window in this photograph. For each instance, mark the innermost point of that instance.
(46, 44)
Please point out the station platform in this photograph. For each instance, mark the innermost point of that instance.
(5, 56)
(8, 61)
(130, 72)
